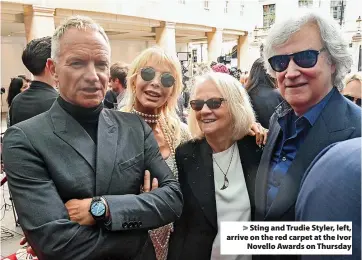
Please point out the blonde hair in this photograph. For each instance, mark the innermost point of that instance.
(160, 56)
(79, 22)
(238, 104)
(351, 77)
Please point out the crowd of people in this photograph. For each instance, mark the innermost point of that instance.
(102, 164)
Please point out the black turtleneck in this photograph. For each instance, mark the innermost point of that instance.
(87, 117)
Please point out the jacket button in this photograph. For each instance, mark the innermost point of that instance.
(139, 223)
(125, 225)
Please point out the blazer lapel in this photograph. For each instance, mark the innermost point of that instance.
(71, 132)
(263, 171)
(201, 181)
(329, 128)
(106, 151)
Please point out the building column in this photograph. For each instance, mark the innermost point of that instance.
(39, 22)
(166, 36)
(214, 44)
(242, 52)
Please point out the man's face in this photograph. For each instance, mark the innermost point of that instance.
(304, 87)
(82, 68)
(115, 85)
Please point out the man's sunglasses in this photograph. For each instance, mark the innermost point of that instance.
(304, 59)
(149, 73)
(212, 103)
(357, 101)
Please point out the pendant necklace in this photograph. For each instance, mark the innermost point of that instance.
(226, 180)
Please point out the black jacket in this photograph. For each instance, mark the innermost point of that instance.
(33, 101)
(264, 100)
(197, 228)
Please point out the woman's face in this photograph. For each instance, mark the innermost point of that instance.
(25, 86)
(151, 93)
(212, 122)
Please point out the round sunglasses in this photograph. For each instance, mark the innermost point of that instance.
(149, 73)
(212, 103)
(304, 59)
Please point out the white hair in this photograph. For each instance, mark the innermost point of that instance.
(78, 22)
(331, 37)
(238, 104)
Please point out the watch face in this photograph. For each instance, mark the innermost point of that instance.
(98, 209)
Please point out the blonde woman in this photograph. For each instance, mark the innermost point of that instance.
(353, 88)
(153, 86)
(217, 169)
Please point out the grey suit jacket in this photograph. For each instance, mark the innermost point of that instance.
(339, 120)
(50, 159)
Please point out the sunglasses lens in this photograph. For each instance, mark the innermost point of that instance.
(213, 103)
(197, 105)
(279, 63)
(148, 74)
(358, 102)
(306, 59)
(167, 80)
(349, 97)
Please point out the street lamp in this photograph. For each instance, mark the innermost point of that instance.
(357, 38)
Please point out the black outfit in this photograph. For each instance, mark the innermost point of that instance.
(38, 98)
(110, 99)
(87, 117)
(197, 228)
(264, 100)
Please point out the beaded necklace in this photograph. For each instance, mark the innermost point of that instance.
(160, 237)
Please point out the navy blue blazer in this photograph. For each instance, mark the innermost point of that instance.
(331, 191)
(339, 120)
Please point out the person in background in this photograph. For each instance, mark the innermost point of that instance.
(308, 57)
(17, 85)
(41, 94)
(263, 94)
(353, 88)
(217, 168)
(331, 191)
(118, 84)
(28, 81)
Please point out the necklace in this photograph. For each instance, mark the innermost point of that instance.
(226, 180)
(149, 118)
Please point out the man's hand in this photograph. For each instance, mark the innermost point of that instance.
(147, 182)
(78, 211)
(259, 132)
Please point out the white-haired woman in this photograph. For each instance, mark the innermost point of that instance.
(217, 168)
(353, 88)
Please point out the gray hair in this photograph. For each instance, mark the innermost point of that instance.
(238, 104)
(78, 22)
(331, 36)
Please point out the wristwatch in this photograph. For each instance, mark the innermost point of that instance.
(98, 209)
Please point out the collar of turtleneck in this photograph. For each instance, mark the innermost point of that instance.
(81, 114)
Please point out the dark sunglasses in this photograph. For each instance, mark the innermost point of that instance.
(357, 101)
(149, 73)
(304, 59)
(212, 103)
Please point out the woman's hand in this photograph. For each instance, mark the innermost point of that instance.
(147, 186)
(259, 132)
(29, 249)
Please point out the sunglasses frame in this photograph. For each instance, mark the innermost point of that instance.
(174, 80)
(357, 101)
(292, 56)
(206, 102)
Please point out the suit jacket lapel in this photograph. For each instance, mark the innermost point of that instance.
(106, 151)
(263, 171)
(329, 128)
(201, 181)
(71, 132)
